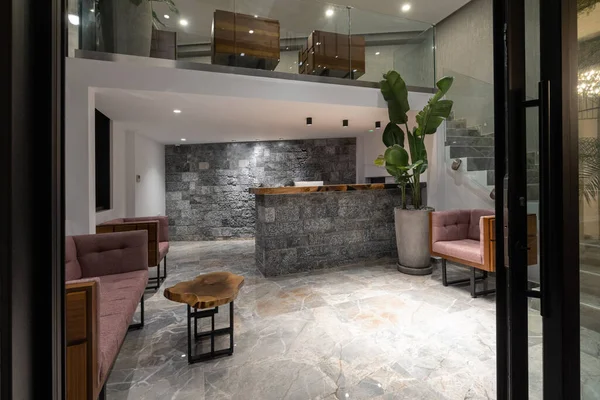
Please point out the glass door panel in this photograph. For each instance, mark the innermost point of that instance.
(588, 98)
(537, 308)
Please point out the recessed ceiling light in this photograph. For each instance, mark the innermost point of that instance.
(177, 111)
(74, 19)
(329, 12)
(255, 16)
(183, 22)
(167, 16)
(242, 54)
(251, 31)
(377, 53)
(354, 70)
(406, 7)
(183, 139)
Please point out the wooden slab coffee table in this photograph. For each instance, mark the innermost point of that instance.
(204, 295)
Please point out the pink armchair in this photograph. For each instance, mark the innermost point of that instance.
(158, 239)
(465, 237)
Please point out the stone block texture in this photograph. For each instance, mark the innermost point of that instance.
(207, 184)
(303, 232)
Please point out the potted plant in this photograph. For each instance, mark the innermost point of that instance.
(125, 26)
(406, 163)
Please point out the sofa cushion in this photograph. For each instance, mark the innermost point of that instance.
(449, 225)
(120, 296)
(163, 249)
(72, 267)
(466, 249)
(474, 231)
(112, 253)
(112, 333)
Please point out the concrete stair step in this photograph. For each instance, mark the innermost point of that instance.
(456, 123)
(533, 176)
(480, 163)
(469, 141)
(461, 132)
(471, 151)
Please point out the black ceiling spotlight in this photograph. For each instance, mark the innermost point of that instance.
(308, 121)
(345, 123)
(377, 124)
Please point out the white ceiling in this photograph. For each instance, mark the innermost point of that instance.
(210, 118)
(300, 17)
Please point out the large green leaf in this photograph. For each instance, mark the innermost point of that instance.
(392, 135)
(418, 152)
(445, 84)
(395, 92)
(436, 110)
(396, 156)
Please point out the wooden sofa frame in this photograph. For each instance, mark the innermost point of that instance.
(82, 336)
(81, 303)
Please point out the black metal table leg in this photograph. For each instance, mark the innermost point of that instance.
(212, 333)
(231, 325)
(473, 283)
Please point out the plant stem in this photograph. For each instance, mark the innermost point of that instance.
(403, 188)
(416, 191)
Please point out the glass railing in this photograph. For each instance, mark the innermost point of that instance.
(291, 36)
(469, 145)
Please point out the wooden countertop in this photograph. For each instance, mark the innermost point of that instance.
(325, 188)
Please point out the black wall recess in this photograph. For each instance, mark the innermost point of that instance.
(103, 169)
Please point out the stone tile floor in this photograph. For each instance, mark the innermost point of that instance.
(358, 332)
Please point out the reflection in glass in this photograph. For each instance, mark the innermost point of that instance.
(588, 92)
(288, 36)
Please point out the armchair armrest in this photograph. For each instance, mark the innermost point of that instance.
(82, 314)
(487, 241)
(152, 227)
(112, 253)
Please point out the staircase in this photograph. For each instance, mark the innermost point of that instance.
(476, 151)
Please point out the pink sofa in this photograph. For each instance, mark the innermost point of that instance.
(465, 237)
(158, 239)
(106, 276)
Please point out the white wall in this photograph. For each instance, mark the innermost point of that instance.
(150, 166)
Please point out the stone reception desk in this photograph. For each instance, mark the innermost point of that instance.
(306, 228)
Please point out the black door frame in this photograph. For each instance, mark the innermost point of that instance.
(31, 201)
(559, 201)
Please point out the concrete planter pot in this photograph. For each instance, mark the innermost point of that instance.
(412, 239)
(125, 28)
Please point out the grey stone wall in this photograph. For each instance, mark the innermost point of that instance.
(303, 232)
(207, 184)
